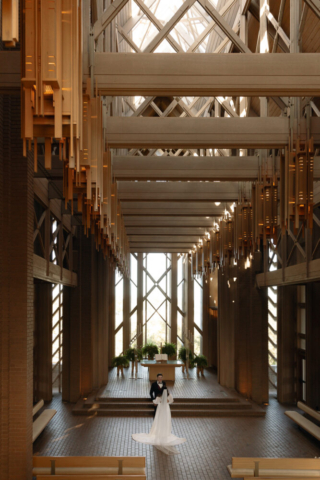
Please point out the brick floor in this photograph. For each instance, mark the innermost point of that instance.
(211, 442)
(205, 387)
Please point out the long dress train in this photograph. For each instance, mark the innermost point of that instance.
(160, 434)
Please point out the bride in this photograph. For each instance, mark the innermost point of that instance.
(160, 434)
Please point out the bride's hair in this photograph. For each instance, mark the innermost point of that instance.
(160, 393)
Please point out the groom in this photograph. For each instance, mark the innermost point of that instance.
(157, 389)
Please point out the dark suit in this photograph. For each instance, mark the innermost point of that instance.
(156, 391)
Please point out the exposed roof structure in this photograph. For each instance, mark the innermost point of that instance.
(201, 27)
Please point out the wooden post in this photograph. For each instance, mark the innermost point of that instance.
(126, 313)
(111, 312)
(174, 297)
(140, 339)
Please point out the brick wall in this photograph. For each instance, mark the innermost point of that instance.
(16, 296)
(243, 333)
(86, 323)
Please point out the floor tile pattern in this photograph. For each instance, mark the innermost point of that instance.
(211, 442)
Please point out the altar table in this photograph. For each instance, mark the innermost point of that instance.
(167, 369)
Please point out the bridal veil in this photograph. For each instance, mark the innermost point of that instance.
(160, 434)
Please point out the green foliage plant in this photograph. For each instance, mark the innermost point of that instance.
(150, 349)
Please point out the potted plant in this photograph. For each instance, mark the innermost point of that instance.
(130, 355)
(201, 362)
(120, 362)
(139, 354)
(191, 363)
(150, 349)
(183, 356)
(170, 349)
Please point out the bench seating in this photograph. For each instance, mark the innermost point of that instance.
(279, 478)
(37, 407)
(309, 411)
(89, 477)
(274, 467)
(41, 422)
(90, 466)
(304, 423)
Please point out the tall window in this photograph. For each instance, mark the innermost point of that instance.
(301, 372)
(181, 299)
(57, 336)
(198, 314)
(272, 326)
(157, 298)
(133, 298)
(118, 313)
(57, 318)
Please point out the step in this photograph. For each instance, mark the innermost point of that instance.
(176, 400)
(174, 406)
(115, 412)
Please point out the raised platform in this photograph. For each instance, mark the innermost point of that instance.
(196, 397)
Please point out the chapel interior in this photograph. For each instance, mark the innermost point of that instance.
(159, 213)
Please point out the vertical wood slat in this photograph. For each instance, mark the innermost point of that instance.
(10, 22)
(140, 339)
(174, 297)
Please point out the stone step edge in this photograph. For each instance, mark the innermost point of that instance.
(176, 400)
(187, 413)
(136, 406)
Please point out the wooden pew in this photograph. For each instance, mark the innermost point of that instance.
(90, 466)
(90, 477)
(279, 478)
(41, 422)
(304, 423)
(37, 407)
(309, 411)
(274, 467)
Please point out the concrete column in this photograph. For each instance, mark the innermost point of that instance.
(16, 296)
(85, 323)
(287, 321)
(226, 326)
(243, 333)
(174, 298)
(43, 347)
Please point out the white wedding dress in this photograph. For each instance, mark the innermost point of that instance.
(160, 434)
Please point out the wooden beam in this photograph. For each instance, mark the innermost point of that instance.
(186, 133)
(68, 278)
(207, 74)
(108, 15)
(314, 5)
(211, 26)
(189, 209)
(149, 14)
(191, 239)
(164, 231)
(224, 25)
(178, 191)
(168, 222)
(296, 274)
(165, 249)
(187, 168)
(160, 244)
